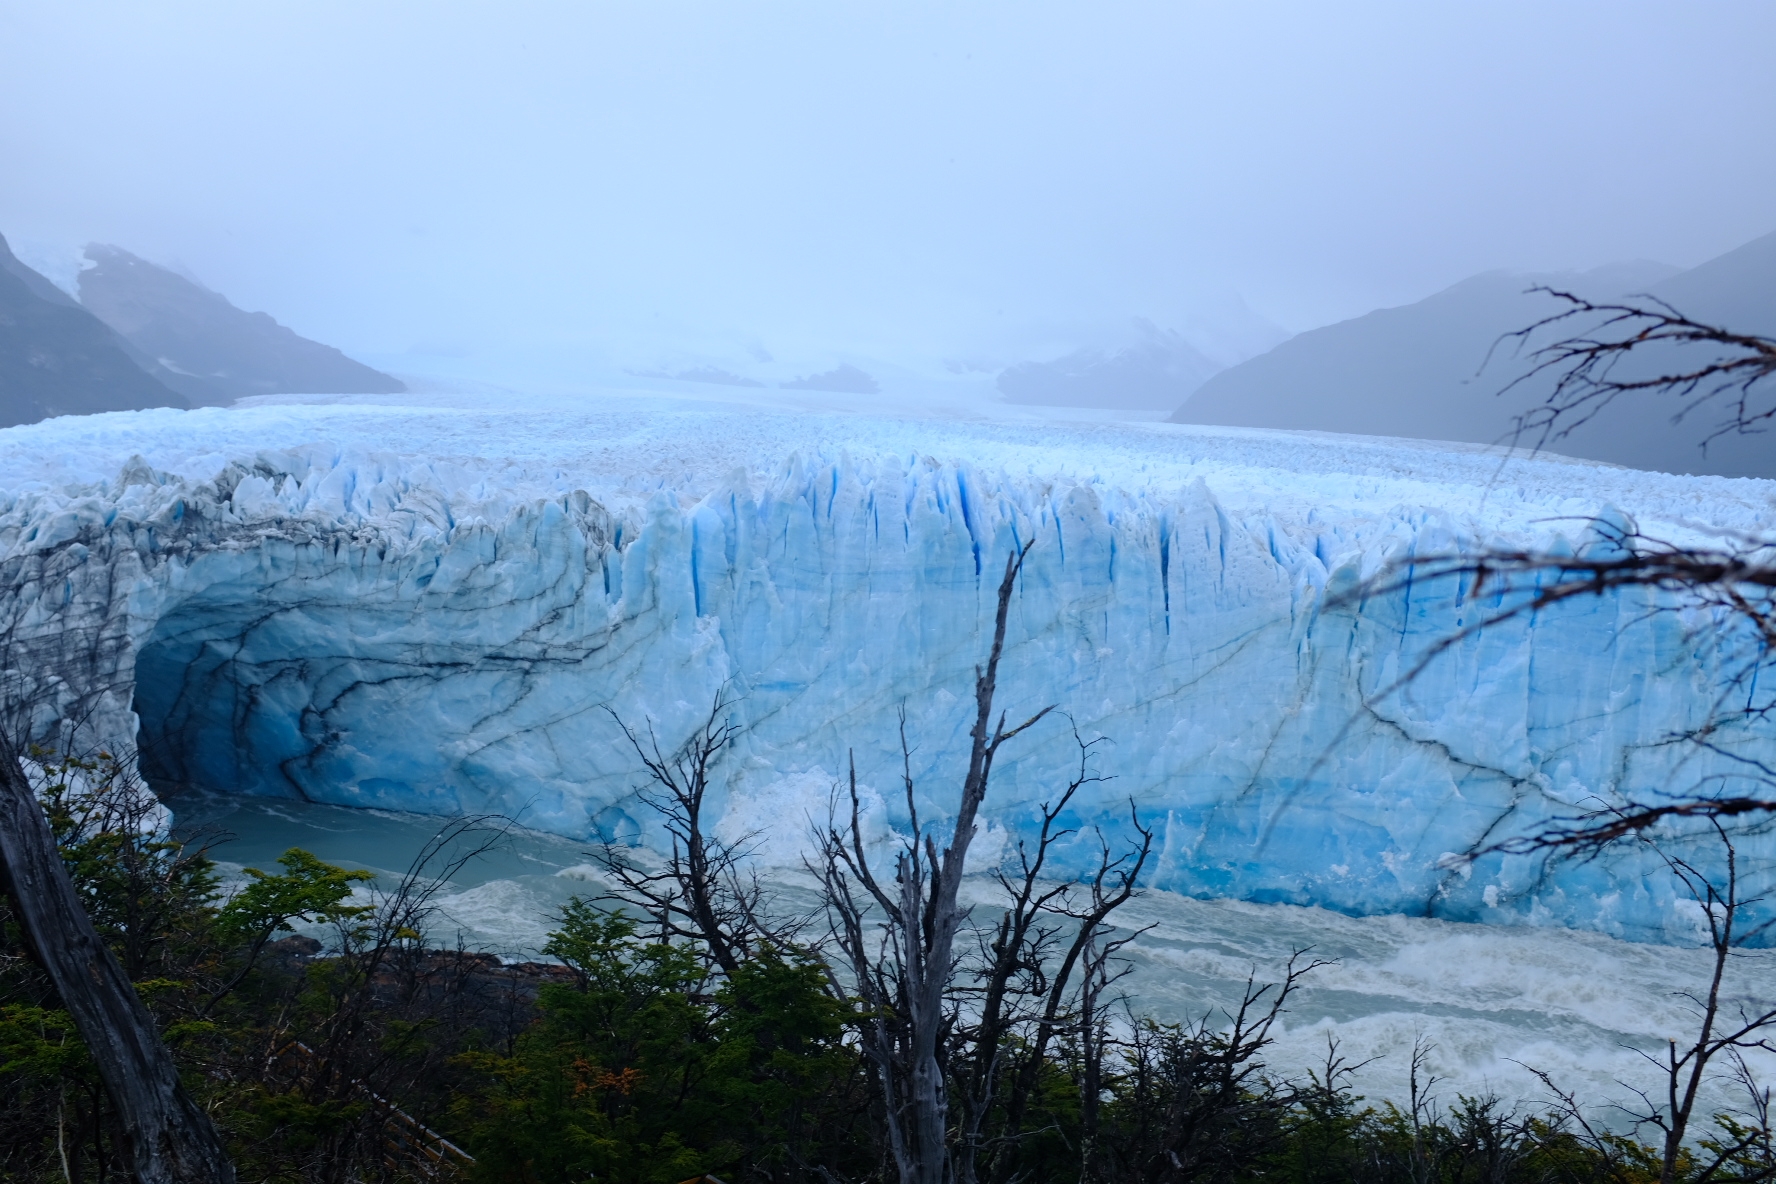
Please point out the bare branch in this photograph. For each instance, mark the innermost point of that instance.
(1588, 363)
(705, 892)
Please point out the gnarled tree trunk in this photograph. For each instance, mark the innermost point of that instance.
(170, 1140)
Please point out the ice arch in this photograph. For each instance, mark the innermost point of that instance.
(383, 632)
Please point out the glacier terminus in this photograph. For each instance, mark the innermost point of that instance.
(438, 608)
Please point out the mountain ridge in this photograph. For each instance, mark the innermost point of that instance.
(213, 351)
(1443, 368)
(56, 358)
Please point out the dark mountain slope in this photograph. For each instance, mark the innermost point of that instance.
(217, 352)
(1736, 290)
(58, 359)
(1416, 371)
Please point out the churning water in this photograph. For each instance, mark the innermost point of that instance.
(1492, 1002)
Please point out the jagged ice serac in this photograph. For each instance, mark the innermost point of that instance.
(441, 608)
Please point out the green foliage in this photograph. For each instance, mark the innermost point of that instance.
(39, 1044)
(637, 1062)
(149, 896)
(642, 1069)
(1323, 1137)
(308, 890)
(193, 954)
(295, 1122)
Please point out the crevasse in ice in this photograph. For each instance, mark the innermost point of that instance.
(371, 629)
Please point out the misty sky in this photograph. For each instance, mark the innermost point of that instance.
(960, 179)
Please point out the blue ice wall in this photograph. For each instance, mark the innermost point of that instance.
(363, 634)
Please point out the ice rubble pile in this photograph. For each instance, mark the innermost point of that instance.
(364, 629)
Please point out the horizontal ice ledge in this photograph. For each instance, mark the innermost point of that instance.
(368, 630)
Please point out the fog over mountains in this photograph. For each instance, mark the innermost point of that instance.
(1141, 366)
(1430, 370)
(1154, 372)
(56, 358)
(213, 352)
(143, 336)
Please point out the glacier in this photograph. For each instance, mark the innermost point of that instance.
(439, 607)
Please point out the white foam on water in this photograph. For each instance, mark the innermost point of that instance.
(1492, 1002)
(1496, 1003)
(514, 915)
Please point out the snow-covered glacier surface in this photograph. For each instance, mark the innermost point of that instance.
(444, 608)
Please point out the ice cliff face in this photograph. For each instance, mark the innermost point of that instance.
(365, 629)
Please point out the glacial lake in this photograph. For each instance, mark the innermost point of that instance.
(1492, 1002)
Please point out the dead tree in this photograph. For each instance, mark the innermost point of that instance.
(905, 983)
(1095, 952)
(955, 1043)
(1196, 1101)
(1643, 345)
(170, 1140)
(1023, 989)
(705, 892)
(1722, 1030)
(1726, 1029)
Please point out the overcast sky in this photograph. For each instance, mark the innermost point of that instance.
(927, 180)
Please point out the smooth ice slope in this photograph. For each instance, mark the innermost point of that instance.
(431, 608)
